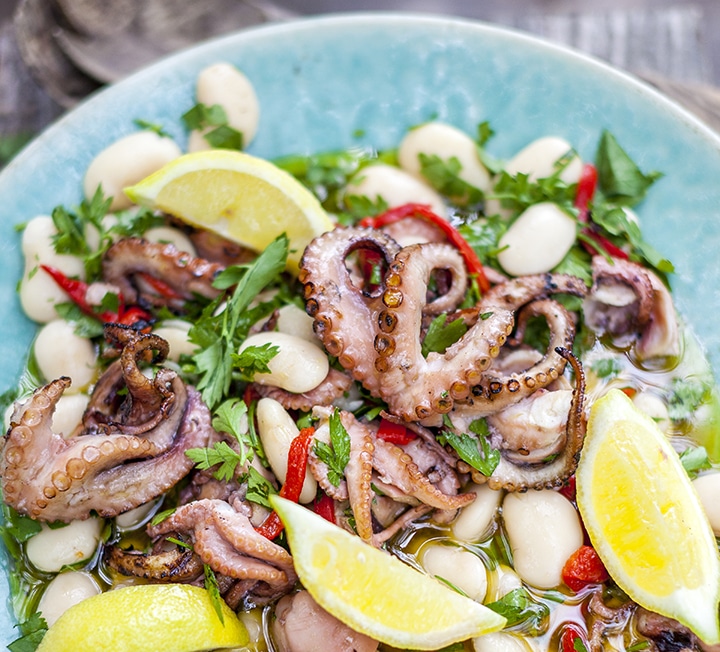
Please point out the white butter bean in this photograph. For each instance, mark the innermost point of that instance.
(708, 489)
(68, 413)
(538, 160)
(223, 84)
(64, 591)
(38, 291)
(168, 234)
(501, 642)
(175, 333)
(277, 429)
(445, 142)
(544, 530)
(474, 519)
(134, 517)
(50, 550)
(395, 186)
(298, 366)
(126, 162)
(537, 241)
(652, 405)
(292, 320)
(60, 352)
(501, 581)
(458, 566)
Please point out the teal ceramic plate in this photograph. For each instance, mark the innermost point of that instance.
(333, 82)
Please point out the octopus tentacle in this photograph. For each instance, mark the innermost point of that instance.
(498, 390)
(127, 262)
(512, 476)
(226, 540)
(52, 478)
(344, 314)
(396, 467)
(413, 386)
(176, 565)
(336, 383)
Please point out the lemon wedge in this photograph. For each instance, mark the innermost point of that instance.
(158, 617)
(375, 593)
(245, 199)
(645, 519)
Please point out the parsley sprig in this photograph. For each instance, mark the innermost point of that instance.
(336, 454)
(219, 330)
(474, 450)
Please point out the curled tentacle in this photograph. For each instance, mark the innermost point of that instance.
(225, 539)
(132, 264)
(336, 383)
(345, 313)
(514, 476)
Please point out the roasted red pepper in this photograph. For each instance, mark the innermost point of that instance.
(568, 489)
(587, 184)
(297, 462)
(77, 291)
(584, 567)
(573, 639)
(161, 287)
(395, 433)
(422, 211)
(324, 506)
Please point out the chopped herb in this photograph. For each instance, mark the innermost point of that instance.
(444, 176)
(254, 359)
(219, 335)
(211, 586)
(440, 336)
(694, 460)
(578, 645)
(475, 451)
(619, 178)
(161, 516)
(337, 454)
(636, 647)
(222, 136)
(687, 395)
(221, 454)
(516, 193)
(179, 543)
(258, 488)
(33, 630)
(606, 368)
(18, 525)
(151, 126)
(85, 325)
(519, 608)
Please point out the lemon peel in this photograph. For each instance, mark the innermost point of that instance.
(243, 198)
(644, 517)
(158, 617)
(375, 593)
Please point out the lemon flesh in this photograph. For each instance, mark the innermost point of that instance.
(375, 593)
(645, 519)
(245, 199)
(158, 617)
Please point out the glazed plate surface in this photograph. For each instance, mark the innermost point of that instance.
(362, 79)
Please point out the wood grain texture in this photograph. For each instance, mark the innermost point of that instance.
(672, 44)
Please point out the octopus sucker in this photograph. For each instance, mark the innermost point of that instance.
(185, 276)
(336, 383)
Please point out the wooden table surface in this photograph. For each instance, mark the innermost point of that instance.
(674, 44)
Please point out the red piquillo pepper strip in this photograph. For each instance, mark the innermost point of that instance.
(571, 634)
(162, 288)
(395, 433)
(587, 184)
(297, 462)
(422, 211)
(584, 567)
(325, 506)
(77, 291)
